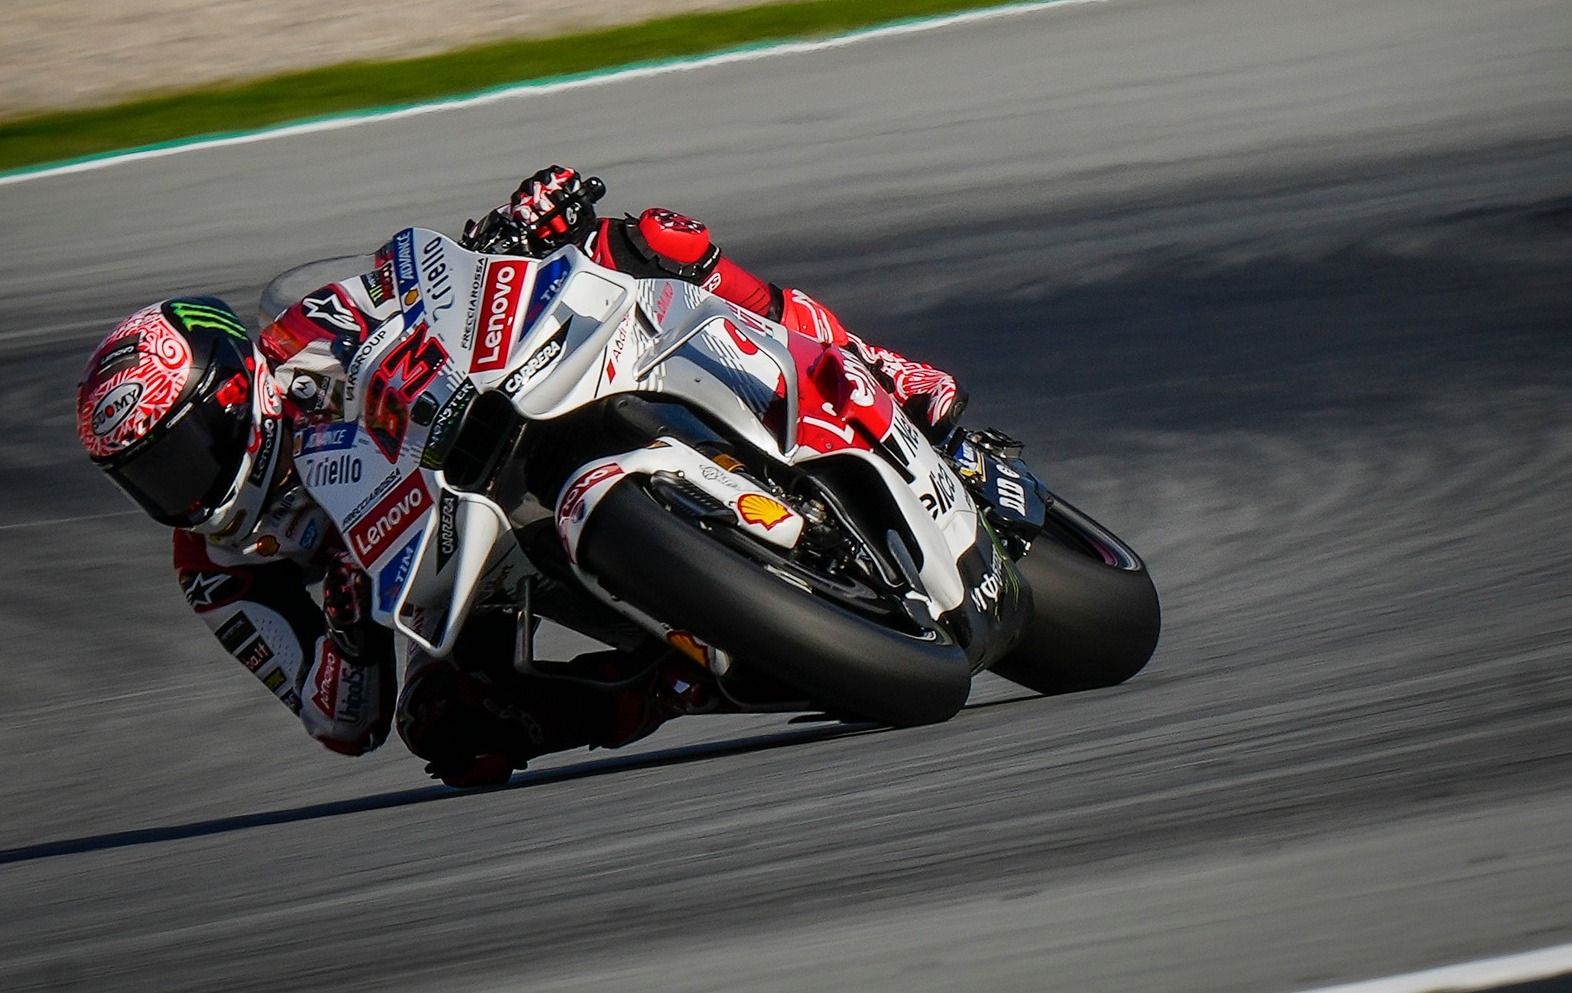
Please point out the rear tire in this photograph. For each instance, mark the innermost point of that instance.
(843, 662)
(1096, 617)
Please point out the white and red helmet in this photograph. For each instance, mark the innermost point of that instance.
(178, 408)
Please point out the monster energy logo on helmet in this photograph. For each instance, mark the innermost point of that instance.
(206, 312)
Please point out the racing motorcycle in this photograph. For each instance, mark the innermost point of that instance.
(655, 467)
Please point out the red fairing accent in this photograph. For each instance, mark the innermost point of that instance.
(283, 339)
(676, 236)
(912, 379)
(840, 405)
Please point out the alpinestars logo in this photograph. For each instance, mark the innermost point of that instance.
(328, 310)
(206, 590)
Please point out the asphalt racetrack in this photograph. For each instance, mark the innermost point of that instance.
(1278, 290)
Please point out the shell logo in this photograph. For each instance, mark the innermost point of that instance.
(410, 297)
(756, 508)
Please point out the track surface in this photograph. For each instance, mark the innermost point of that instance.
(1276, 289)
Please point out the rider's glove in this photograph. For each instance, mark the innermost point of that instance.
(552, 207)
(933, 399)
(346, 606)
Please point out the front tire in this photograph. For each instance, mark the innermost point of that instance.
(1096, 617)
(843, 662)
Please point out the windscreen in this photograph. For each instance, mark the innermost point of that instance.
(293, 284)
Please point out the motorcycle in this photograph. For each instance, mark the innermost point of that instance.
(653, 466)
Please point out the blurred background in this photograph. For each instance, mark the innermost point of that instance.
(77, 53)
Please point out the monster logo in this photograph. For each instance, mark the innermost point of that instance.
(201, 313)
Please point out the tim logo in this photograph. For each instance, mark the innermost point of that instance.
(400, 378)
(499, 311)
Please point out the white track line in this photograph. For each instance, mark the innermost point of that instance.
(542, 87)
(69, 520)
(1481, 975)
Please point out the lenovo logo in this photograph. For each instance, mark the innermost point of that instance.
(400, 509)
(499, 311)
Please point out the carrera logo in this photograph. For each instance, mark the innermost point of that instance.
(499, 311)
(756, 508)
(447, 530)
(542, 358)
(388, 520)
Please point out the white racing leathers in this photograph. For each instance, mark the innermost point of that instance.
(253, 595)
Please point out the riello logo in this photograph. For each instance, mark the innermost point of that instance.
(334, 471)
(388, 520)
(499, 310)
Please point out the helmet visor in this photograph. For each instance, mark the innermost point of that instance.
(187, 465)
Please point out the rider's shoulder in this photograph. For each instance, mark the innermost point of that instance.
(674, 236)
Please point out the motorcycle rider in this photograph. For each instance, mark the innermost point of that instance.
(191, 418)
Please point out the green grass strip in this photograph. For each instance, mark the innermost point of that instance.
(362, 86)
